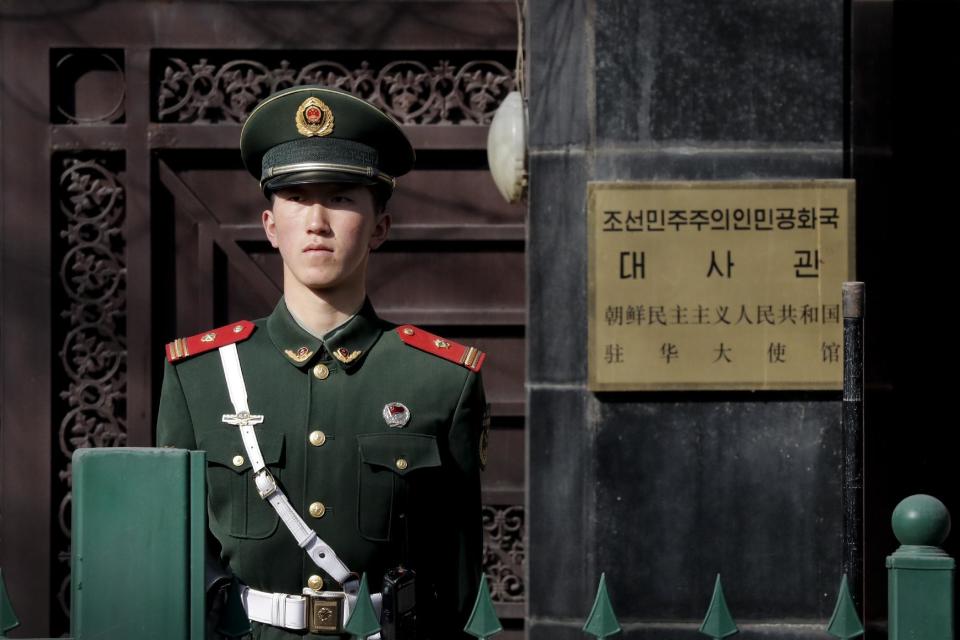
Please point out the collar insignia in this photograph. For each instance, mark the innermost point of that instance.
(345, 355)
(299, 356)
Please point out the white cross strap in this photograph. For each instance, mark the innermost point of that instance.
(319, 551)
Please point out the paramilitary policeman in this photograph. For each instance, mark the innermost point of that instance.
(337, 443)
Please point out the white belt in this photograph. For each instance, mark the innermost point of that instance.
(291, 612)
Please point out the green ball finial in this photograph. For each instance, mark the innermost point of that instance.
(921, 520)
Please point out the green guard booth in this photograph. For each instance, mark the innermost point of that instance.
(139, 536)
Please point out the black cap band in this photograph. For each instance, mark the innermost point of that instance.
(329, 150)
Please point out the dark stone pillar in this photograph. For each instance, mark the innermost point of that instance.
(663, 490)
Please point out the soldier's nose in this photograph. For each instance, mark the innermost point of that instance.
(317, 219)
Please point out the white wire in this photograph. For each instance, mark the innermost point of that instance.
(519, 71)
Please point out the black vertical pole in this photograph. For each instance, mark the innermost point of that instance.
(852, 425)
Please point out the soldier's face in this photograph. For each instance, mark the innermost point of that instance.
(325, 233)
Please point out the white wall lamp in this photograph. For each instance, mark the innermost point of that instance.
(507, 138)
(507, 148)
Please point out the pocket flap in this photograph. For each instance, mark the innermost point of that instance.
(224, 447)
(399, 452)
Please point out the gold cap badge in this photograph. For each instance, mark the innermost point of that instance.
(314, 118)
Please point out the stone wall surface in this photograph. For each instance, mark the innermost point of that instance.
(661, 491)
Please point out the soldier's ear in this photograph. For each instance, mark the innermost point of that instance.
(380, 230)
(269, 227)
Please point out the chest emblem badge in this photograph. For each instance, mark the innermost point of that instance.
(396, 415)
(346, 356)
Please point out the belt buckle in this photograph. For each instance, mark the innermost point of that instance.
(270, 484)
(325, 613)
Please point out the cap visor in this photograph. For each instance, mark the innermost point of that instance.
(312, 177)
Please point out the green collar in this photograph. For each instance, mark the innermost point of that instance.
(348, 343)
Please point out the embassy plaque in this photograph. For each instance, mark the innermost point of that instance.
(718, 285)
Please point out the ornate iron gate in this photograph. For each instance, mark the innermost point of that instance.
(128, 219)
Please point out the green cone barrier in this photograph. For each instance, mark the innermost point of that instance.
(363, 619)
(602, 621)
(718, 623)
(483, 621)
(845, 623)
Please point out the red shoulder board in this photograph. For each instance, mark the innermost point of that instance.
(185, 347)
(470, 357)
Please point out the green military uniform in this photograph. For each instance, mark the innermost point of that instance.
(326, 441)
(375, 433)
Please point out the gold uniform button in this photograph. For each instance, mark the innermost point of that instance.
(321, 372)
(238, 461)
(401, 463)
(317, 438)
(408, 331)
(317, 509)
(315, 582)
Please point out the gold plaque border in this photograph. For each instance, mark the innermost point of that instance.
(594, 186)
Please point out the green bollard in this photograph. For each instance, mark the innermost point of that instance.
(919, 573)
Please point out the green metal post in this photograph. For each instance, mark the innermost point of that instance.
(197, 505)
(138, 543)
(919, 573)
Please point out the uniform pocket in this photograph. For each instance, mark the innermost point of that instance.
(233, 499)
(387, 462)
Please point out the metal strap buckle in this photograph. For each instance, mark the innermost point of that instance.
(271, 484)
(325, 613)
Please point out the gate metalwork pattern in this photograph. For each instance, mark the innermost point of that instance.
(92, 327)
(152, 228)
